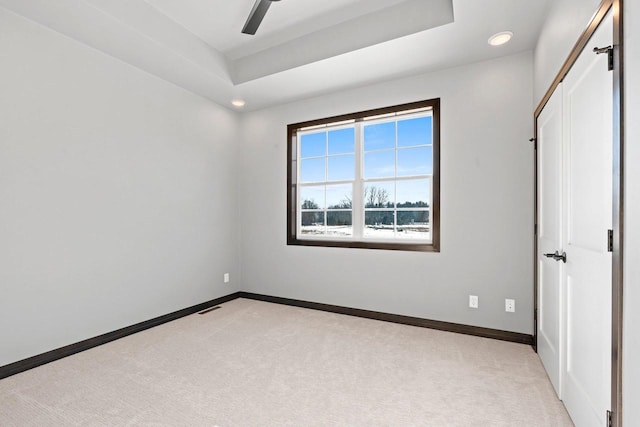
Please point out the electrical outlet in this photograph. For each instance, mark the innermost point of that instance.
(510, 305)
(473, 301)
(226, 277)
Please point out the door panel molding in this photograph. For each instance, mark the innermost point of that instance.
(616, 6)
(550, 297)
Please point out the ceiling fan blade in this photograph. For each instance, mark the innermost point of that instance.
(256, 16)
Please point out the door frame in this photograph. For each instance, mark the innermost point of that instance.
(618, 189)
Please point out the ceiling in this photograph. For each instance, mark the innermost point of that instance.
(218, 22)
(303, 48)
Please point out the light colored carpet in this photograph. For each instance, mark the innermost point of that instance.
(252, 363)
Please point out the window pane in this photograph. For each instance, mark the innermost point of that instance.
(380, 164)
(415, 161)
(312, 197)
(414, 193)
(341, 168)
(342, 141)
(379, 136)
(313, 145)
(378, 224)
(379, 195)
(415, 132)
(312, 170)
(339, 223)
(339, 196)
(412, 225)
(312, 223)
(366, 180)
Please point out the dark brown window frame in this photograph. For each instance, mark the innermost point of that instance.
(292, 129)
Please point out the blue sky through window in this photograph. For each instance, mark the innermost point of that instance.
(414, 132)
(329, 156)
(380, 164)
(313, 170)
(313, 145)
(314, 194)
(380, 136)
(342, 141)
(339, 194)
(415, 161)
(412, 191)
(341, 168)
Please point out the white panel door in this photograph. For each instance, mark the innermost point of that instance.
(549, 134)
(587, 157)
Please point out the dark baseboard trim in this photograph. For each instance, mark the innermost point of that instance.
(59, 353)
(397, 318)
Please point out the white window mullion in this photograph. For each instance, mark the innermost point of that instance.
(395, 185)
(383, 178)
(326, 178)
(358, 185)
(297, 141)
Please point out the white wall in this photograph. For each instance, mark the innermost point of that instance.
(565, 22)
(487, 204)
(117, 198)
(631, 325)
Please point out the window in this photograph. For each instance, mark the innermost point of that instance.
(366, 180)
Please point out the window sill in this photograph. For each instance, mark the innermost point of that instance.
(395, 246)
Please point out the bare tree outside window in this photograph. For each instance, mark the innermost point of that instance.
(367, 180)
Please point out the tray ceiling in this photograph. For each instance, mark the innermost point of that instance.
(303, 47)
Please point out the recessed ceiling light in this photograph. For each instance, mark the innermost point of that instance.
(238, 103)
(500, 38)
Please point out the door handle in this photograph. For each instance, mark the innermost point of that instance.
(557, 256)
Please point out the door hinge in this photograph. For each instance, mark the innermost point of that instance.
(535, 229)
(609, 51)
(609, 419)
(535, 143)
(610, 240)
